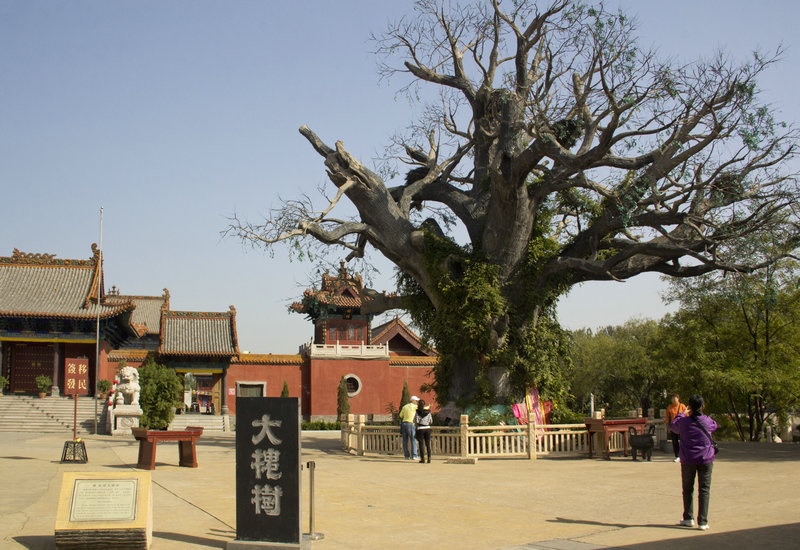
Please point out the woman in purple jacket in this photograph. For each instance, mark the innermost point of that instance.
(697, 459)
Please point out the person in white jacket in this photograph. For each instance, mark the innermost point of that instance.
(423, 420)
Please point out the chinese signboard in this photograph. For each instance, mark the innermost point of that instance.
(268, 469)
(76, 376)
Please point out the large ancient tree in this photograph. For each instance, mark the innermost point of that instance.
(556, 151)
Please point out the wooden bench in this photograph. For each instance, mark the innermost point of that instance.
(148, 441)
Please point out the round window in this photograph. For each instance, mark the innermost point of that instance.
(353, 385)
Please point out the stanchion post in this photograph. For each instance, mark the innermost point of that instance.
(313, 535)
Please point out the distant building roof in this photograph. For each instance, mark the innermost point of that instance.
(39, 285)
(400, 339)
(128, 355)
(207, 334)
(269, 359)
(146, 318)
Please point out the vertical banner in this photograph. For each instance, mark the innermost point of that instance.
(268, 469)
(535, 406)
(76, 376)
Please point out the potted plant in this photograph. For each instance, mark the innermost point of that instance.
(43, 382)
(103, 386)
(3, 382)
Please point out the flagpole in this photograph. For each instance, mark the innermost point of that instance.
(97, 343)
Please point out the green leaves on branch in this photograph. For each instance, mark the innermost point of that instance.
(475, 328)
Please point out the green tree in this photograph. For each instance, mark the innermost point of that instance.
(161, 392)
(623, 366)
(739, 335)
(554, 150)
(405, 395)
(342, 399)
(285, 390)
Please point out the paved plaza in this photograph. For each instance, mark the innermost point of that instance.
(385, 502)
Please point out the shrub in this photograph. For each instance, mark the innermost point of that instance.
(161, 392)
(492, 416)
(320, 425)
(103, 386)
(43, 382)
(564, 415)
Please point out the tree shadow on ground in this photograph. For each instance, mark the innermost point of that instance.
(758, 452)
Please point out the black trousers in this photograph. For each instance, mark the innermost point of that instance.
(424, 436)
(676, 443)
(703, 474)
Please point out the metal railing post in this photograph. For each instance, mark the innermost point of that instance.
(313, 535)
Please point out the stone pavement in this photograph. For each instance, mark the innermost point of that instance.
(380, 502)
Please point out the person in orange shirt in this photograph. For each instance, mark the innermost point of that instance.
(673, 410)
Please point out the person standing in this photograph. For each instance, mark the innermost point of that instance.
(674, 408)
(697, 453)
(407, 414)
(423, 419)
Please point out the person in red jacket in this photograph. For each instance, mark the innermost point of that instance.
(673, 410)
(697, 459)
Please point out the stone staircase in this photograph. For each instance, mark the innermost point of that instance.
(56, 415)
(209, 422)
(50, 414)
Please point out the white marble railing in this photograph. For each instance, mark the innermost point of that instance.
(481, 441)
(347, 350)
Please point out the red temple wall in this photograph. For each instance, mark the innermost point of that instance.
(381, 385)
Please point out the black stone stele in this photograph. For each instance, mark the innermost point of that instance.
(74, 451)
(268, 469)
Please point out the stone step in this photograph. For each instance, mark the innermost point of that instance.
(57, 414)
(209, 422)
(50, 414)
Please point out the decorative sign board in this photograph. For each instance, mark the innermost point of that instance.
(268, 471)
(76, 376)
(104, 510)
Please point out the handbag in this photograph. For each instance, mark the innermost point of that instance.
(710, 438)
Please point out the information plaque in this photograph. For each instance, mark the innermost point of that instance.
(104, 500)
(104, 510)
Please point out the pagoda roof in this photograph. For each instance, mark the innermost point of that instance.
(340, 291)
(191, 333)
(40, 285)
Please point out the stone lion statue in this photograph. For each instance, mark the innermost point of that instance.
(128, 387)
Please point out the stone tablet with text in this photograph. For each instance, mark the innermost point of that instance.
(268, 471)
(104, 510)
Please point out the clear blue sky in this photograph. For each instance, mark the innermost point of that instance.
(172, 115)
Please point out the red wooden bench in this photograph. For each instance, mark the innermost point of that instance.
(148, 441)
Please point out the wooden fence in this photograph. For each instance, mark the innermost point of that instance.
(465, 441)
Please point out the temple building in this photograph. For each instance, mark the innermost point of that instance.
(50, 309)
(53, 309)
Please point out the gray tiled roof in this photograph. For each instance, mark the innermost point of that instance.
(195, 333)
(36, 285)
(148, 311)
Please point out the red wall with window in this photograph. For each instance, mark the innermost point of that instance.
(377, 378)
(273, 374)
